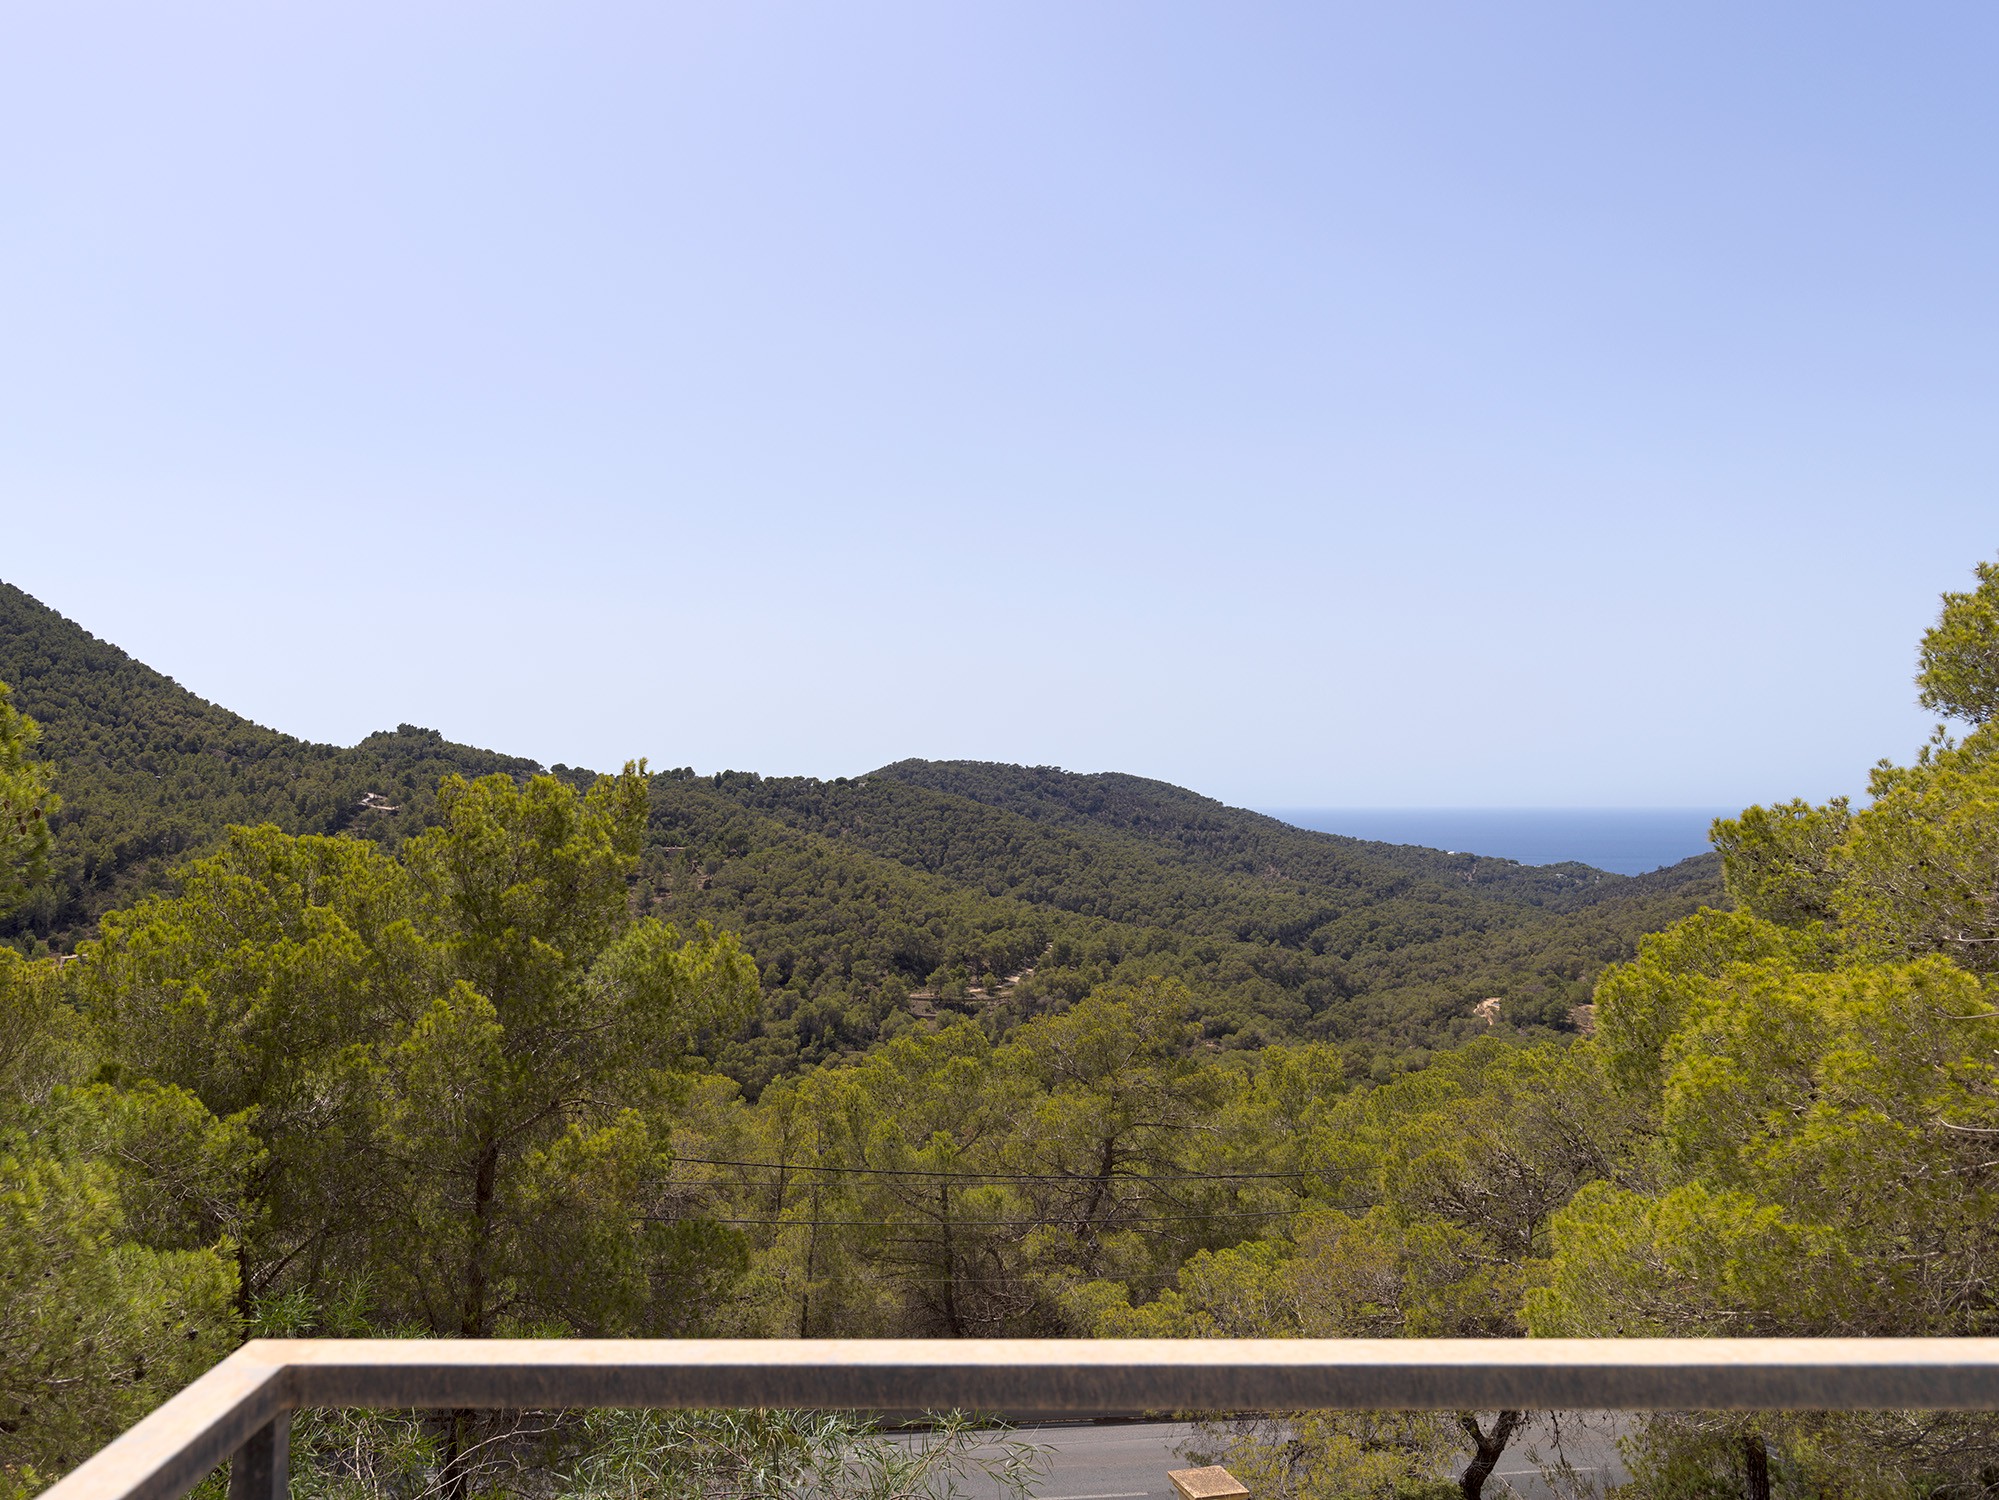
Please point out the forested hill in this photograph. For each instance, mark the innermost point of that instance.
(147, 771)
(872, 903)
(1207, 834)
(847, 890)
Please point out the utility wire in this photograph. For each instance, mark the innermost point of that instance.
(1048, 1223)
(793, 1166)
(895, 1277)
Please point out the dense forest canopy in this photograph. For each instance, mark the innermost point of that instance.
(870, 902)
(151, 773)
(488, 1077)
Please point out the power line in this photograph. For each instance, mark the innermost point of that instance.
(793, 1166)
(1048, 1223)
(891, 1278)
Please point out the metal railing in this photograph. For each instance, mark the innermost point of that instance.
(241, 1409)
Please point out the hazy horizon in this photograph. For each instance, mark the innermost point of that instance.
(1301, 813)
(1627, 840)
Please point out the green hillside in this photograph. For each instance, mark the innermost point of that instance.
(1206, 834)
(853, 890)
(873, 903)
(149, 772)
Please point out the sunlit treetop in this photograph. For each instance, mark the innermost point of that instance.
(26, 804)
(1960, 653)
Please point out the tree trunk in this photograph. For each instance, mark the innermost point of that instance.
(811, 1269)
(478, 1272)
(1100, 1189)
(952, 1319)
(1486, 1449)
(454, 1474)
(1756, 1466)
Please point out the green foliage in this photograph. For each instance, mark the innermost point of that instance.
(117, 1283)
(117, 1275)
(1788, 1100)
(1908, 877)
(1020, 1052)
(1342, 1455)
(1641, 1005)
(151, 773)
(1960, 653)
(1778, 862)
(775, 1455)
(923, 879)
(96, 1328)
(1458, 1165)
(1430, 1200)
(636, 1455)
(1815, 1077)
(946, 1185)
(1918, 864)
(1805, 1455)
(43, 1042)
(26, 805)
(456, 1061)
(1782, 1126)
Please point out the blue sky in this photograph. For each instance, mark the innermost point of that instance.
(1370, 405)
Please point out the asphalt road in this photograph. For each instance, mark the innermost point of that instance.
(1129, 1461)
(1109, 1461)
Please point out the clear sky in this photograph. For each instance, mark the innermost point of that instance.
(1371, 404)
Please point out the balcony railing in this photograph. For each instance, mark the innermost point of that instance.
(241, 1409)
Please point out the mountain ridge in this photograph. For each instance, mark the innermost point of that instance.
(1001, 890)
(1165, 813)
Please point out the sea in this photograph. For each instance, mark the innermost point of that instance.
(1628, 840)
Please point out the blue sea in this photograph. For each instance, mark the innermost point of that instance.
(1629, 840)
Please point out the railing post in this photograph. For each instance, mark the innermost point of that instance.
(261, 1468)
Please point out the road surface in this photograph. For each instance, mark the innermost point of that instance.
(1109, 1460)
(1129, 1460)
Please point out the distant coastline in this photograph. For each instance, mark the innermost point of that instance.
(1628, 840)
